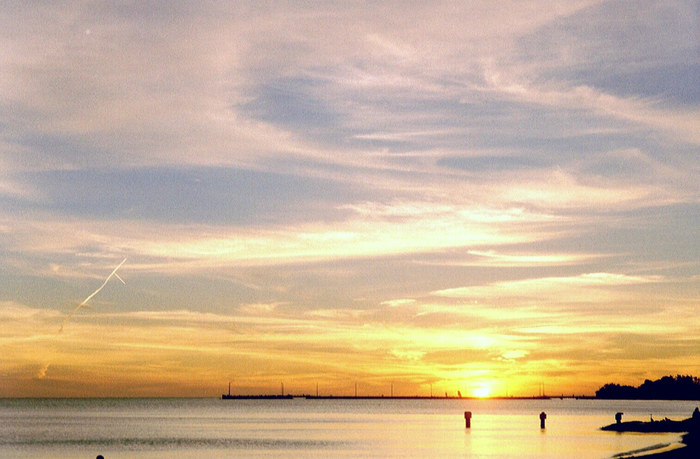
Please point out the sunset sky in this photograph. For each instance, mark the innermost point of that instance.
(477, 196)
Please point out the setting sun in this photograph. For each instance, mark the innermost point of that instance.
(482, 392)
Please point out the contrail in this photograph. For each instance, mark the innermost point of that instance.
(84, 302)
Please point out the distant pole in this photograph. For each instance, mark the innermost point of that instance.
(282, 384)
(355, 390)
(431, 391)
(316, 389)
(229, 388)
(392, 389)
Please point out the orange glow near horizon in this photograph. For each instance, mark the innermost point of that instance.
(186, 353)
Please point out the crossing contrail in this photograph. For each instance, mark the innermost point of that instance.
(84, 302)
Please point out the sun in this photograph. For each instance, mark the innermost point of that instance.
(482, 392)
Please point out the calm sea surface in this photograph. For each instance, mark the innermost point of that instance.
(213, 428)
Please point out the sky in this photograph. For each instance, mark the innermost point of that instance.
(484, 197)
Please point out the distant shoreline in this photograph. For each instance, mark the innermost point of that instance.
(381, 397)
(429, 397)
(340, 397)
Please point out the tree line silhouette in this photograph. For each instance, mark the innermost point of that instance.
(666, 388)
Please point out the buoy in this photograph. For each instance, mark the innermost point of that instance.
(468, 419)
(543, 416)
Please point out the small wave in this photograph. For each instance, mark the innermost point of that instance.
(658, 448)
(178, 443)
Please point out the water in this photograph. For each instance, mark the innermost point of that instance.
(213, 428)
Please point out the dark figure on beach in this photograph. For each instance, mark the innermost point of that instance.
(696, 414)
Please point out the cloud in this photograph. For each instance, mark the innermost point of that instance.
(258, 309)
(374, 230)
(493, 258)
(514, 355)
(41, 374)
(590, 288)
(408, 355)
(399, 302)
(11, 311)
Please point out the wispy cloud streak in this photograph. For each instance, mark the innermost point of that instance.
(85, 301)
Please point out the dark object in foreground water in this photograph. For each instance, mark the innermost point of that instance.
(543, 416)
(468, 419)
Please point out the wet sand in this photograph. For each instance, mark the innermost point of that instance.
(689, 448)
